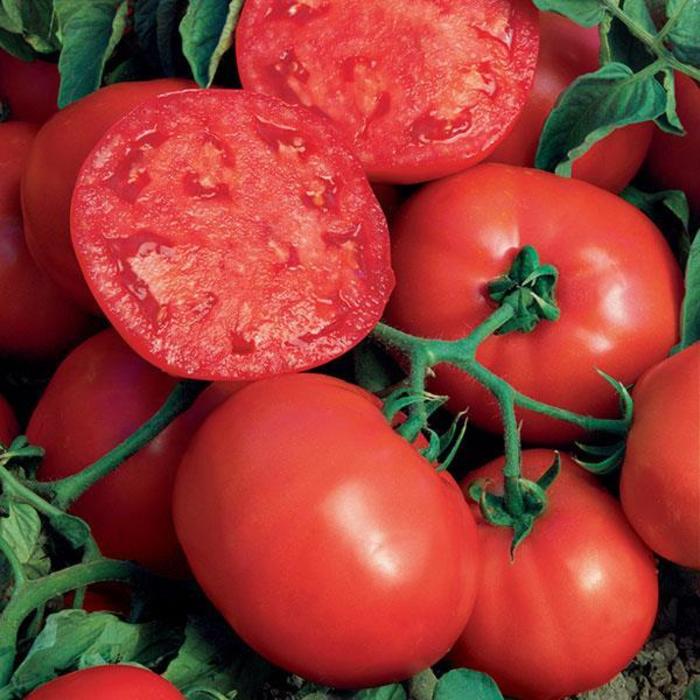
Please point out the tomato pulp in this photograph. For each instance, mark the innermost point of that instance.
(619, 288)
(422, 89)
(228, 235)
(578, 601)
(323, 537)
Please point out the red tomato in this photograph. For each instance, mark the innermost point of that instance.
(8, 424)
(58, 152)
(577, 603)
(673, 160)
(660, 486)
(30, 88)
(327, 542)
(99, 396)
(108, 597)
(422, 88)
(230, 236)
(108, 683)
(619, 288)
(389, 198)
(36, 320)
(568, 50)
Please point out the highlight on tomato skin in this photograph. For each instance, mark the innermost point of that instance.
(421, 89)
(188, 194)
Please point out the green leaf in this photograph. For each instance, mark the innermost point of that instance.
(669, 120)
(692, 691)
(690, 311)
(21, 529)
(592, 107)
(384, 692)
(625, 47)
(207, 33)
(39, 23)
(89, 32)
(74, 639)
(684, 36)
(166, 32)
(463, 684)
(11, 16)
(15, 44)
(587, 13)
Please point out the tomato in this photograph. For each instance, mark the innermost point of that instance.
(116, 682)
(29, 87)
(36, 320)
(52, 168)
(389, 198)
(576, 604)
(100, 395)
(660, 485)
(619, 288)
(568, 50)
(229, 236)
(673, 160)
(8, 424)
(327, 542)
(421, 89)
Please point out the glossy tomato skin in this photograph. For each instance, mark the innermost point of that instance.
(420, 89)
(55, 159)
(100, 395)
(116, 682)
(660, 484)
(8, 423)
(575, 605)
(319, 533)
(568, 50)
(30, 88)
(37, 321)
(619, 288)
(673, 160)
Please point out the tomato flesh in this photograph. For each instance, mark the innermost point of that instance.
(227, 235)
(422, 89)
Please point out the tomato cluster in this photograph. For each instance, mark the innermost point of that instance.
(154, 234)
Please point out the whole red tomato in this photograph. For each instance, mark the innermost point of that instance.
(100, 395)
(29, 87)
(568, 50)
(575, 605)
(660, 486)
(673, 160)
(55, 159)
(117, 682)
(323, 537)
(8, 423)
(37, 321)
(619, 288)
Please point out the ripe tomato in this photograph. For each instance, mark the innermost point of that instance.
(37, 321)
(389, 198)
(577, 603)
(568, 50)
(421, 89)
(100, 395)
(52, 168)
(660, 486)
(673, 160)
(619, 288)
(230, 236)
(29, 87)
(116, 682)
(8, 424)
(327, 542)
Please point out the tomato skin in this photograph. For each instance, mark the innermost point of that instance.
(113, 682)
(660, 483)
(577, 603)
(100, 395)
(454, 236)
(332, 533)
(673, 160)
(568, 50)
(8, 423)
(30, 88)
(58, 152)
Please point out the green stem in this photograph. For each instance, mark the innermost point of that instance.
(23, 493)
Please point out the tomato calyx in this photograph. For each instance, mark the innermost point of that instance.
(528, 288)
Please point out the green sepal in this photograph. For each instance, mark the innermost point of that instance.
(598, 450)
(626, 401)
(492, 507)
(548, 478)
(451, 441)
(521, 529)
(606, 465)
(405, 397)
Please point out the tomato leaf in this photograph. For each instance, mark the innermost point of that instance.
(684, 33)
(207, 33)
(22, 531)
(690, 312)
(384, 692)
(587, 13)
(76, 639)
(592, 107)
(692, 691)
(155, 25)
(625, 47)
(463, 683)
(89, 33)
(15, 44)
(39, 26)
